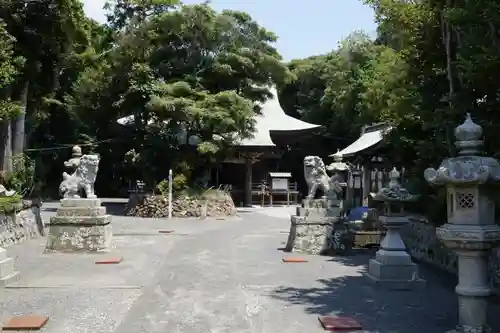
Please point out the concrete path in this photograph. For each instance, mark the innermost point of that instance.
(218, 276)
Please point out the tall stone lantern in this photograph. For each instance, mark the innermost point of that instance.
(470, 229)
(392, 266)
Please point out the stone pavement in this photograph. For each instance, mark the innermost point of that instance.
(219, 276)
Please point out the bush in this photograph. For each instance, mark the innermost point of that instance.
(10, 204)
(179, 182)
(22, 179)
(162, 187)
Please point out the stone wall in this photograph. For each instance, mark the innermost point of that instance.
(16, 228)
(423, 245)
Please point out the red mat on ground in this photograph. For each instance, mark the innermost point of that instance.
(165, 231)
(294, 260)
(25, 323)
(109, 261)
(339, 324)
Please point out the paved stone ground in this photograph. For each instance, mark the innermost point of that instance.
(218, 276)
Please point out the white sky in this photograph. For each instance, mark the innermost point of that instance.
(302, 30)
(93, 8)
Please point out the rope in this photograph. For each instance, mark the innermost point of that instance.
(66, 146)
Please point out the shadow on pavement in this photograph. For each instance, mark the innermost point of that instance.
(429, 310)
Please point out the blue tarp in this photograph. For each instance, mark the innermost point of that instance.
(356, 213)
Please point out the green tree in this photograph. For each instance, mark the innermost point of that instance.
(185, 70)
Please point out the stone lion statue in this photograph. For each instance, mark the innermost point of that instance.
(82, 180)
(317, 178)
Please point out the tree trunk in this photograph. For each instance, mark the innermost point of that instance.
(5, 147)
(18, 122)
(446, 34)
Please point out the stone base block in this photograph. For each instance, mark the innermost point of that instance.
(81, 220)
(394, 277)
(319, 212)
(80, 202)
(11, 278)
(6, 267)
(81, 211)
(314, 203)
(365, 238)
(78, 238)
(319, 236)
(7, 272)
(466, 329)
(308, 237)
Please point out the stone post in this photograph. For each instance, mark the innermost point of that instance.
(470, 229)
(392, 266)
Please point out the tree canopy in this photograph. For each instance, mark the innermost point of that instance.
(188, 72)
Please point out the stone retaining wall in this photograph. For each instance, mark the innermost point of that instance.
(423, 245)
(16, 228)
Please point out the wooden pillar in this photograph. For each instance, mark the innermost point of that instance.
(349, 191)
(366, 183)
(248, 181)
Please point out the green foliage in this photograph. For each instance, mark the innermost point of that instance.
(179, 182)
(22, 179)
(162, 187)
(10, 204)
(187, 71)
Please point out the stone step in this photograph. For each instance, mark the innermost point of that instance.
(80, 202)
(11, 278)
(319, 212)
(6, 267)
(81, 220)
(81, 211)
(301, 211)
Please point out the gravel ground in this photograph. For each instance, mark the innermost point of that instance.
(214, 276)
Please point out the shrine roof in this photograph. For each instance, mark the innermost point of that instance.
(271, 119)
(370, 136)
(274, 119)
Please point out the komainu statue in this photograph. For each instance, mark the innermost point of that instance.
(317, 178)
(82, 180)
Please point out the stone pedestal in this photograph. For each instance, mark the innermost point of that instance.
(392, 267)
(7, 272)
(81, 225)
(317, 229)
(472, 245)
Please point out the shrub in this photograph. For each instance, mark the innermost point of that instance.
(22, 179)
(10, 204)
(179, 182)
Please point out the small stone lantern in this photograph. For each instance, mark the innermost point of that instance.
(470, 230)
(392, 266)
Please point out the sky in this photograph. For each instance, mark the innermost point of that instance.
(305, 29)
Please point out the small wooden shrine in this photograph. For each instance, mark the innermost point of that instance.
(370, 170)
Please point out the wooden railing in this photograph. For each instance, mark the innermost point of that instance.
(265, 193)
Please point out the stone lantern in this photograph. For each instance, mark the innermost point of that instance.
(392, 266)
(470, 230)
